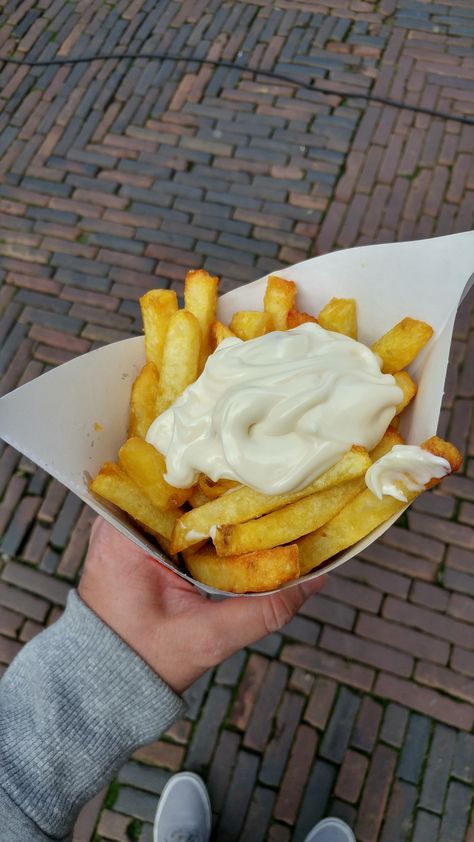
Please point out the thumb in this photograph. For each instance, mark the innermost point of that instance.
(239, 622)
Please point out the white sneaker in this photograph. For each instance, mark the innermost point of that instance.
(184, 811)
(331, 830)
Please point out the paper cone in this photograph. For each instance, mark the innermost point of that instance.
(72, 419)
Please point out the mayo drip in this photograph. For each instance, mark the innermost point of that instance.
(408, 464)
(275, 412)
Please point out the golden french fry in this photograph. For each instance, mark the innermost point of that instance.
(408, 387)
(390, 438)
(215, 489)
(363, 514)
(340, 316)
(218, 332)
(288, 523)
(179, 367)
(245, 504)
(248, 324)
(143, 401)
(399, 347)
(200, 299)
(197, 498)
(147, 467)
(279, 299)
(114, 485)
(296, 318)
(249, 573)
(157, 307)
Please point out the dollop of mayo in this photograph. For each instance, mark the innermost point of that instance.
(275, 412)
(408, 464)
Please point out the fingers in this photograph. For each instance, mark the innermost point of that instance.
(239, 622)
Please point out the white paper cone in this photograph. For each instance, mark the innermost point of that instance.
(72, 419)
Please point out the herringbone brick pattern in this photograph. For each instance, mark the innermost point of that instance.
(118, 176)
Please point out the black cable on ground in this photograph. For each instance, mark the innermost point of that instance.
(269, 74)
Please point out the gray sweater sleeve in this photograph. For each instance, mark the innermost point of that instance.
(74, 704)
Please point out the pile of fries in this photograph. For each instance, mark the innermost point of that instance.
(230, 536)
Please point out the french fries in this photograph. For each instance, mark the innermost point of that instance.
(114, 485)
(279, 300)
(218, 332)
(245, 503)
(157, 306)
(143, 400)
(180, 358)
(147, 467)
(363, 514)
(340, 316)
(248, 324)
(231, 536)
(296, 318)
(253, 572)
(399, 347)
(200, 299)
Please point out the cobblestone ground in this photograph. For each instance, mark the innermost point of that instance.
(119, 176)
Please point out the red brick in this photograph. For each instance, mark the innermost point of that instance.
(375, 795)
(249, 687)
(358, 596)
(401, 562)
(59, 339)
(10, 622)
(297, 771)
(351, 776)
(327, 611)
(36, 582)
(443, 679)
(425, 700)
(320, 702)
(429, 621)
(371, 575)
(8, 649)
(462, 661)
(329, 665)
(30, 630)
(462, 607)
(113, 826)
(159, 753)
(367, 725)
(429, 596)
(374, 654)
(414, 642)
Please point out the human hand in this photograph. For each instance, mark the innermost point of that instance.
(172, 625)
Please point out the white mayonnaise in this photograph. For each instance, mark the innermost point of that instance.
(408, 464)
(275, 412)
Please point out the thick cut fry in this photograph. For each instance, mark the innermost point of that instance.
(146, 466)
(218, 333)
(200, 299)
(399, 347)
(408, 387)
(245, 504)
(114, 485)
(363, 514)
(286, 524)
(340, 316)
(248, 324)
(197, 498)
(179, 366)
(157, 306)
(296, 318)
(390, 438)
(250, 573)
(215, 489)
(279, 300)
(143, 401)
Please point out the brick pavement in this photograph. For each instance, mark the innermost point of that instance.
(118, 176)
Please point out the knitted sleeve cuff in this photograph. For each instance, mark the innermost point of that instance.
(74, 704)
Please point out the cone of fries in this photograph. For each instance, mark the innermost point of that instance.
(271, 434)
